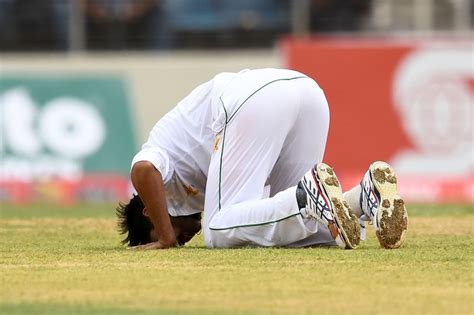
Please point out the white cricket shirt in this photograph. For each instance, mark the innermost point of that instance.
(180, 146)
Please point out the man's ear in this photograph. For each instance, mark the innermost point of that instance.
(145, 212)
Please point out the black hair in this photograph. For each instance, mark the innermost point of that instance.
(131, 220)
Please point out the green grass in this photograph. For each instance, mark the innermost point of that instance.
(68, 260)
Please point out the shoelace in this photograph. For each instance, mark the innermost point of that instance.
(363, 218)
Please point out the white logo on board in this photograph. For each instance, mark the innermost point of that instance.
(68, 127)
(433, 95)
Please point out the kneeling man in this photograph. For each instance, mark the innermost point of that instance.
(246, 149)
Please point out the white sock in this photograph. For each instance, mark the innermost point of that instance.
(352, 197)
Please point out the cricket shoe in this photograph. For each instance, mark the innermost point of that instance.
(324, 202)
(381, 203)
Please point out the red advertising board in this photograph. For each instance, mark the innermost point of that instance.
(88, 188)
(408, 102)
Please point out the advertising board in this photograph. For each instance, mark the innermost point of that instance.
(408, 102)
(64, 138)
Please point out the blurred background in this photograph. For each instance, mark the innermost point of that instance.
(83, 81)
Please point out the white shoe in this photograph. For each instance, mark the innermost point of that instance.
(382, 204)
(324, 202)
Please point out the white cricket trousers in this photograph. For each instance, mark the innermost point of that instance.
(268, 142)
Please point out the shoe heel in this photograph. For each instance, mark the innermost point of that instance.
(392, 216)
(348, 225)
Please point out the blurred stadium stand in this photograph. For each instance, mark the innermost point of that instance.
(52, 25)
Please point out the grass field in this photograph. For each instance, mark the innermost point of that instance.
(69, 261)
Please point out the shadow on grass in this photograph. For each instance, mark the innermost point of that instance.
(82, 309)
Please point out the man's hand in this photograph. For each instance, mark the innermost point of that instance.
(152, 245)
(149, 185)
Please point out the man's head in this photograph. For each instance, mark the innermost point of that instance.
(133, 219)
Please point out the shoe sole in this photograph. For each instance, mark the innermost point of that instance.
(347, 223)
(392, 216)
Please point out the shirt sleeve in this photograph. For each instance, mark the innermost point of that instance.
(158, 158)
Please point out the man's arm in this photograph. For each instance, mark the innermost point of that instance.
(149, 185)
